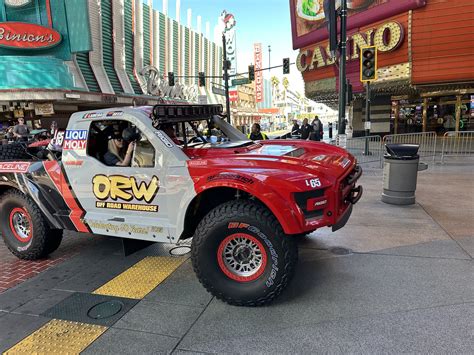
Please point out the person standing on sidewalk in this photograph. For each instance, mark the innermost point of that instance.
(306, 129)
(21, 131)
(257, 134)
(318, 132)
(295, 130)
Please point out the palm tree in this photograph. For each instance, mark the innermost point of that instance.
(285, 83)
(275, 88)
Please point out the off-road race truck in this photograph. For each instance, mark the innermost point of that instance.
(243, 203)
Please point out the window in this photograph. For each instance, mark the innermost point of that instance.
(106, 143)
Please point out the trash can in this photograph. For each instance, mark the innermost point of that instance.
(400, 172)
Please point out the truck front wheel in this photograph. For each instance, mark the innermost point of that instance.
(24, 229)
(241, 255)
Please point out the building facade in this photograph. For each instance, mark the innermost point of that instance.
(425, 72)
(104, 54)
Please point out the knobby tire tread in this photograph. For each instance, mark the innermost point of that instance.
(245, 208)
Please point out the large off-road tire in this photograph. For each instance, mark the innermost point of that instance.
(24, 230)
(241, 255)
(14, 151)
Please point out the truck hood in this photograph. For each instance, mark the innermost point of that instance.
(300, 157)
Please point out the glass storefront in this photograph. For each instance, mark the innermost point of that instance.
(408, 115)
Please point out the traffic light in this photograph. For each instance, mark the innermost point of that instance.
(251, 73)
(331, 16)
(171, 79)
(286, 65)
(202, 79)
(368, 64)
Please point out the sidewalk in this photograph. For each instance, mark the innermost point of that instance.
(395, 279)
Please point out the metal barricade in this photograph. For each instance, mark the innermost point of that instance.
(357, 147)
(457, 144)
(426, 140)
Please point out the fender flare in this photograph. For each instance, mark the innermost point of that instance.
(278, 206)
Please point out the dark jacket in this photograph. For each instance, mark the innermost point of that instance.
(296, 129)
(318, 131)
(306, 131)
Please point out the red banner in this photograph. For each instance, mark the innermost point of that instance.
(258, 73)
(20, 35)
(233, 95)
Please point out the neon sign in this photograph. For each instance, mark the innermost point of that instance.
(20, 35)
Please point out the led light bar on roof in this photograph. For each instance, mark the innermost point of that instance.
(182, 113)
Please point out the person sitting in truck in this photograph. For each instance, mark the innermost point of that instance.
(170, 132)
(117, 154)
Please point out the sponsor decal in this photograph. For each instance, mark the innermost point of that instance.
(228, 176)
(75, 140)
(74, 163)
(115, 114)
(14, 167)
(123, 227)
(164, 139)
(118, 187)
(345, 162)
(197, 162)
(93, 115)
(313, 183)
(20, 35)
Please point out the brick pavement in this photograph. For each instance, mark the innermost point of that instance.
(14, 271)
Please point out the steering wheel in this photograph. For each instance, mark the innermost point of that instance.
(196, 140)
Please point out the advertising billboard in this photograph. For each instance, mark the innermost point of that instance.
(258, 73)
(228, 23)
(308, 20)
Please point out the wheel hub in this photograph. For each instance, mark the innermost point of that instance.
(21, 224)
(242, 257)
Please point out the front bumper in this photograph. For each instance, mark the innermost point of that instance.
(351, 195)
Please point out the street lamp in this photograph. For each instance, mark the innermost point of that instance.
(269, 52)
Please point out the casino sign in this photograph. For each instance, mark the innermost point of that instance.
(388, 37)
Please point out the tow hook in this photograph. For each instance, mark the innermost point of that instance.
(355, 195)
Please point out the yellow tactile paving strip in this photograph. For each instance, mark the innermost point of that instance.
(66, 337)
(58, 337)
(141, 278)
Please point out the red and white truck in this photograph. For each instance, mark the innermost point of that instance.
(243, 203)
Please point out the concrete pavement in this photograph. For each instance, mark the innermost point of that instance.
(395, 279)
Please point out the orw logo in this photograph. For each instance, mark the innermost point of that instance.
(118, 187)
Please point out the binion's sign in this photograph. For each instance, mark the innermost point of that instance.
(20, 35)
(157, 86)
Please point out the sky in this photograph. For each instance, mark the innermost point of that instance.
(258, 21)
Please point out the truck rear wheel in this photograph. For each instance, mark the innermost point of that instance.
(24, 229)
(241, 255)
(14, 151)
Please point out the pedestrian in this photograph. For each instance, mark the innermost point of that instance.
(257, 134)
(21, 131)
(317, 133)
(53, 129)
(305, 129)
(295, 130)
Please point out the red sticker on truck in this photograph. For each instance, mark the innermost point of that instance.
(14, 167)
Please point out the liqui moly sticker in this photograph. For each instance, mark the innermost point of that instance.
(75, 140)
(14, 167)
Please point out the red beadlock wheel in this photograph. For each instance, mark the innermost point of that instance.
(242, 257)
(21, 225)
